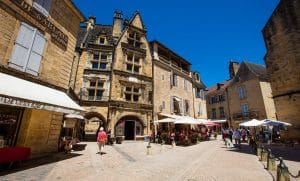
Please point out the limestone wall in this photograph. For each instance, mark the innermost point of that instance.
(40, 130)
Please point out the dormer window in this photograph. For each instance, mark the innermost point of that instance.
(134, 39)
(101, 40)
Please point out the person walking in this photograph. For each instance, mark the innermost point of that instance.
(101, 139)
(237, 137)
(109, 137)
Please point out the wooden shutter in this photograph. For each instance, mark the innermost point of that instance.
(22, 46)
(36, 53)
(172, 104)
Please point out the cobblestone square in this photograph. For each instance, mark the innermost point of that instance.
(208, 160)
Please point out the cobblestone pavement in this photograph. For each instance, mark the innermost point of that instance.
(128, 161)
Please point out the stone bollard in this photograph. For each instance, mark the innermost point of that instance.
(282, 171)
(271, 163)
(264, 155)
(258, 151)
(148, 148)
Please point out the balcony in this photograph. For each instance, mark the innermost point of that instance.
(246, 115)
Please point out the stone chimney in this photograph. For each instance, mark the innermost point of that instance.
(117, 24)
(91, 22)
(233, 68)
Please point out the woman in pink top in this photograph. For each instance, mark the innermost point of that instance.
(101, 140)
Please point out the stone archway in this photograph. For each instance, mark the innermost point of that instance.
(130, 127)
(93, 122)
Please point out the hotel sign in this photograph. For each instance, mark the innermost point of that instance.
(57, 35)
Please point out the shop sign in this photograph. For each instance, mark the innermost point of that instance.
(20, 103)
(57, 35)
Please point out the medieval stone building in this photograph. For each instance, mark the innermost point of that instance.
(37, 43)
(281, 34)
(246, 95)
(114, 77)
(177, 90)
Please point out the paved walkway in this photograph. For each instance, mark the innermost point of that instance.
(128, 161)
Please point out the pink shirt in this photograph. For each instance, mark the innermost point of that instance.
(101, 136)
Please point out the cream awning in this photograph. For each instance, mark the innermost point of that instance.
(22, 93)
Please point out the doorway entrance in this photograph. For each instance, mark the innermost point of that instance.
(129, 130)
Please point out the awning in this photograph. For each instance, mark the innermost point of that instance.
(165, 120)
(169, 115)
(219, 121)
(22, 93)
(74, 116)
(187, 120)
(177, 99)
(252, 123)
(271, 122)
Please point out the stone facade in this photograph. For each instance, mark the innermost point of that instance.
(54, 29)
(246, 96)
(175, 86)
(125, 104)
(281, 35)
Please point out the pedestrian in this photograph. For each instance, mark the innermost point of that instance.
(237, 137)
(101, 139)
(109, 137)
(230, 134)
(244, 132)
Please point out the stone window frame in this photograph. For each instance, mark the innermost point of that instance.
(98, 85)
(132, 93)
(100, 60)
(133, 63)
(99, 40)
(185, 84)
(245, 110)
(187, 107)
(135, 38)
(242, 92)
(214, 113)
(222, 112)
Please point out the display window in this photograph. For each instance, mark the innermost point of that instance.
(9, 125)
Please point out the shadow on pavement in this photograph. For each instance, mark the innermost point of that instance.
(287, 153)
(79, 147)
(36, 162)
(244, 148)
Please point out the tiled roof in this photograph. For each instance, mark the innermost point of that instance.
(223, 85)
(90, 36)
(257, 69)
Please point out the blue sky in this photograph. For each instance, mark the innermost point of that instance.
(208, 33)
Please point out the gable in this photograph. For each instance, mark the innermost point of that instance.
(137, 21)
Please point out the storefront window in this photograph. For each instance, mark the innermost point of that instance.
(9, 122)
(120, 129)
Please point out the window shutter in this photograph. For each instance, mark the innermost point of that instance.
(171, 80)
(21, 49)
(184, 107)
(172, 104)
(36, 53)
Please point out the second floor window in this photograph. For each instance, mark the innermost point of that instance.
(187, 107)
(200, 110)
(133, 63)
(95, 90)
(185, 84)
(176, 105)
(28, 50)
(214, 113)
(242, 92)
(101, 60)
(132, 94)
(174, 81)
(245, 110)
(200, 93)
(222, 113)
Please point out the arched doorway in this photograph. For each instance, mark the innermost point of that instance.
(93, 122)
(129, 127)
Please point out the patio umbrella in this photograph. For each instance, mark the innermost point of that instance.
(210, 123)
(252, 123)
(270, 122)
